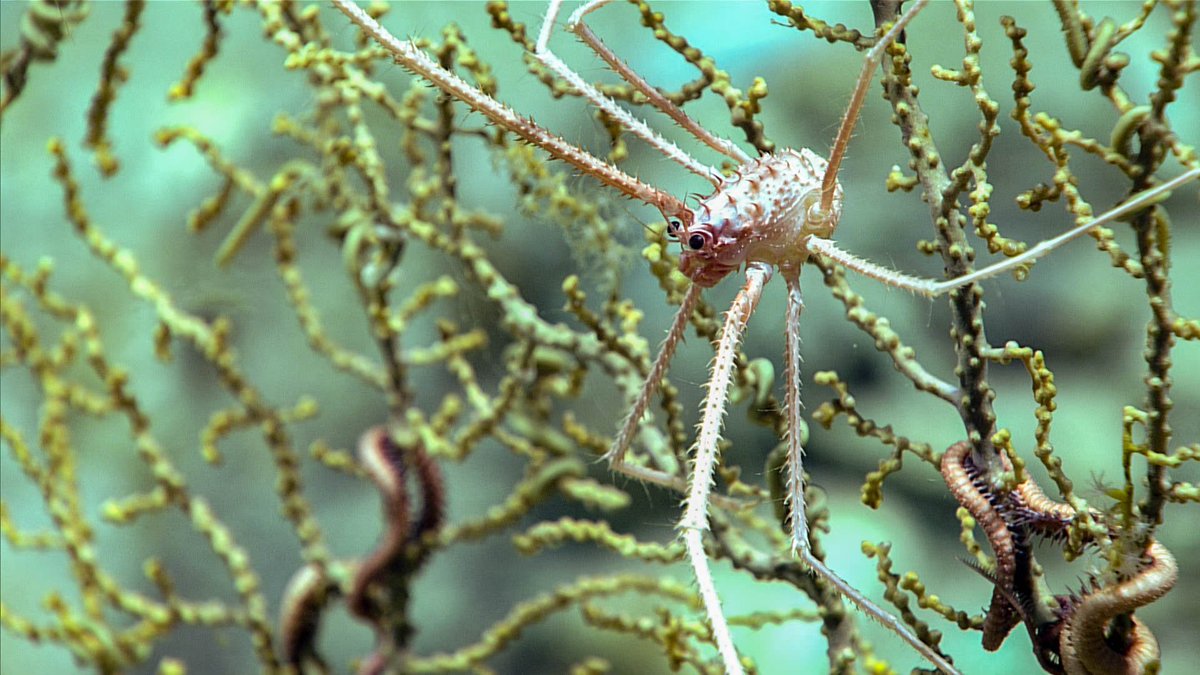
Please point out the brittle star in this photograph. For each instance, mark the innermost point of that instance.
(1073, 637)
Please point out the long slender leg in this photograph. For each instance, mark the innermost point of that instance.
(611, 107)
(795, 482)
(616, 454)
(629, 427)
(933, 288)
(413, 59)
(695, 515)
(576, 25)
(792, 405)
(846, 128)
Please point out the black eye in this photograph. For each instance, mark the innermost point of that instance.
(674, 224)
(696, 242)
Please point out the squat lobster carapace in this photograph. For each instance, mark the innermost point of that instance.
(772, 213)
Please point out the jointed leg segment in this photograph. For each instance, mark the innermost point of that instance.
(795, 453)
(795, 482)
(933, 288)
(695, 519)
(576, 25)
(616, 454)
(610, 107)
(412, 58)
(695, 516)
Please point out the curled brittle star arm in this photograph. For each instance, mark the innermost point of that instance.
(1083, 642)
(380, 582)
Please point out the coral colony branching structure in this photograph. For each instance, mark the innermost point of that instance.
(773, 212)
(767, 211)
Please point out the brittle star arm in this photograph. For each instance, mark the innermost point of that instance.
(1082, 642)
(1001, 615)
(933, 288)
(413, 59)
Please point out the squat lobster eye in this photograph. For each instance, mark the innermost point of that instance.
(674, 225)
(697, 242)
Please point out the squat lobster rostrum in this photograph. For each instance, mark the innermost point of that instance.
(772, 213)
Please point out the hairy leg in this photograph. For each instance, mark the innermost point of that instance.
(612, 108)
(933, 288)
(576, 25)
(857, 98)
(414, 60)
(695, 516)
(658, 370)
(795, 496)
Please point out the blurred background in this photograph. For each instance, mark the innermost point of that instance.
(1088, 317)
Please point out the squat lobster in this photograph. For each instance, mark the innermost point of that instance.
(773, 213)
